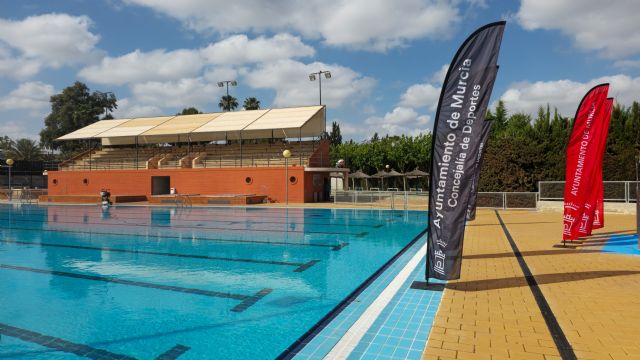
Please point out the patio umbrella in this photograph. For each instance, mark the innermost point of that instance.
(359, 175)
(413, 174)
(393, 173)
(381, 174)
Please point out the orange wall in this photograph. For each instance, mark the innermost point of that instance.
(266, 181)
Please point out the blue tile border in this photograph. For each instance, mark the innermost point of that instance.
(402, 329)
(329, 331)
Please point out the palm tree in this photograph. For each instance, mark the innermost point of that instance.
(25, 149)
(251, 104)
(228, 103)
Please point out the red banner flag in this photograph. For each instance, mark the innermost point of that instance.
(582, 158)
(598, 215)
(599, 129)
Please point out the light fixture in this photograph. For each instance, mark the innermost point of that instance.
(312, 77)
(220, 84)
(327, 74)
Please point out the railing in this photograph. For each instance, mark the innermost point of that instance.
(614, 191)
(22, 195)
(420, 200)
(209, 161)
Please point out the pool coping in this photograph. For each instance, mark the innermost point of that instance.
(293, 349)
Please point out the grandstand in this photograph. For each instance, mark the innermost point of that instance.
(201, 155)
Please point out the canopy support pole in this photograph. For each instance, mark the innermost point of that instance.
(240, 148)
(136, 153)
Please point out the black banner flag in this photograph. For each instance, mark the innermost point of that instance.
(456, 141)
(484, 136)
(473, 195)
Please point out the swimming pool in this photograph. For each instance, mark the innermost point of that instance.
(188, 283)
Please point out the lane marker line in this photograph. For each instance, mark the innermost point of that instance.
(559, 338)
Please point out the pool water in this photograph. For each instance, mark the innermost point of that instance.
(188, 283)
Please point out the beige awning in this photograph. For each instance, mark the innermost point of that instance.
(135, 127)
(228, 125)
(93, 130)
(182, 124)
(289, 122)
(250, 124)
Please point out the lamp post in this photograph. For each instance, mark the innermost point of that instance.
(9, 165)
(286, 154)
(637, 199)
(227, 82)
(318, 75)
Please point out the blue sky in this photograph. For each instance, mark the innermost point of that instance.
(387, 58)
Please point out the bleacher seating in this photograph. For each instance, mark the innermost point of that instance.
(200, 156)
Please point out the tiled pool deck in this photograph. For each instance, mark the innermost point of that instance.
(490, 313)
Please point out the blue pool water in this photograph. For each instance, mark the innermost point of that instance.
(193, 283)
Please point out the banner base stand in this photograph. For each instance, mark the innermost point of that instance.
(423, 285)
(567, 245)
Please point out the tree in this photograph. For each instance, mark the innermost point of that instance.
(228, 103)
(5, 143)
(25, 149)
(251, 103)
(189, 111)
(75, 107)
(335, 136)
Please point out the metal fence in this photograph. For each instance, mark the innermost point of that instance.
(420, 200)
(22, 195)
(614, 191)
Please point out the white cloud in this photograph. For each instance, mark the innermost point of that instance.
(438, 76)
(290, 80)
(51, 40)
(239, 49)
(17, 129)
(127, 108)
(17, 67)
(425, 95)
(137, 66)
(184, 92)
(421, 95)
(162, 65)
(627, 64)
(608, 27)
(28, 96)
(566, 94)
(376, 26)
(401, 120)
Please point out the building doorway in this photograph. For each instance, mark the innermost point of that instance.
(160, 185)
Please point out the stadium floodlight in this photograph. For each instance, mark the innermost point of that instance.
(227, 82)
(312, 77)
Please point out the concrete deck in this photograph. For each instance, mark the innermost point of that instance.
(491, 313)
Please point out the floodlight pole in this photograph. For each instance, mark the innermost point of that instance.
(227, 82)
(312, 77)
